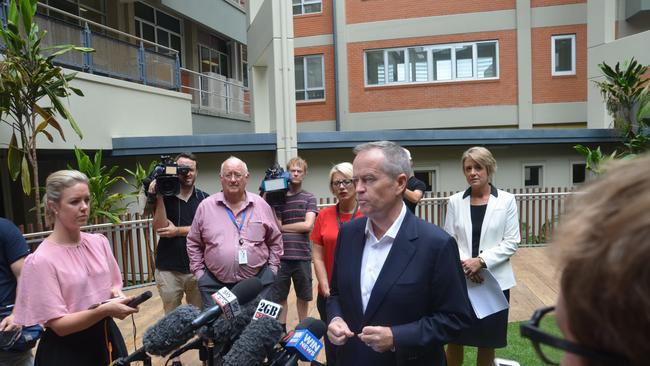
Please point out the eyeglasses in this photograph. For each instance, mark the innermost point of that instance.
(344, 182)
(232, 175)
(550, 347)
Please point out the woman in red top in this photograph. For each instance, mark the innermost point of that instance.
(325, 233)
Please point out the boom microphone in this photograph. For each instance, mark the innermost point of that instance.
(164, 336)
(255, 342)
(244, 292)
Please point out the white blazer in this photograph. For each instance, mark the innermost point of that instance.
(500, 235)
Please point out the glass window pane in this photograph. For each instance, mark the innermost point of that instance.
(316, 94)
(464, 62)
(396, 66)
(300, 95)
(314, 72)
(168, 22)
(579, 173)
(418, 64)
(204, 55)
(563, 56)
(148, 32)
(487, 59)
(300, 73)
(297, 10)
(95, 4)
(214, 62)
(441, 63)
(175, 42)
(223, 61)
(144, 12)
(163, 37)
(296, 2)
(312, 8)
(375, 67)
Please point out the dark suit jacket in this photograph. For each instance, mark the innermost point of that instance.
(420, 293)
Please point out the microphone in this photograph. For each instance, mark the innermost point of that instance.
(301, 344)
(164, 336)
(255, 342)
(243, 292)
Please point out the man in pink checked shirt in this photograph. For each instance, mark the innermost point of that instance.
(234, 235)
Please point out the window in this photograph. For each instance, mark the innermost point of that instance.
(578, 173)
(212, 60)
(158, 27)
(310, 76)
(94, 10)
(429, 177)
(563, 54)
(244, 65)
(533, 175)
(306, 6)
(461, 61)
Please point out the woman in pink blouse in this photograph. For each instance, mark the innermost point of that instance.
(65, 283)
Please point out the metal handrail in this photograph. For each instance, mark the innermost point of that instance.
(99, 25)
(200, 75)
(90, 227)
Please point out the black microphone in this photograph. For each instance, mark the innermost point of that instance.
(255, 342)
(305, 338)
(244, 292)
(164, 336)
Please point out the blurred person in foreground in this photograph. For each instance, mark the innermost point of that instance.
(485, 224)
(325, 233)
(397, 293)
(603, 309)
(72, 283)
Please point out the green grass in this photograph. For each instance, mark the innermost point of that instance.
(519, 349)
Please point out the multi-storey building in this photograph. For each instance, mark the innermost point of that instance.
(436, 76)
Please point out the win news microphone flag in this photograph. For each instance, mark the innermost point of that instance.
(303, 343)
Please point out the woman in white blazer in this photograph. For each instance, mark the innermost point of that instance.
(485, 224)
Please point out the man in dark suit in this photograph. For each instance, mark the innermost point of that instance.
(398, 293)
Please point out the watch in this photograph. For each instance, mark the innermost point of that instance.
(483, 265)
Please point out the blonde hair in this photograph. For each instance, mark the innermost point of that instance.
(297, 161)
(482, 157)
(55, 184)
(604, 243)
(344, 168)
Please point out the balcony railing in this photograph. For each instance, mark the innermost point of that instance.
(213, 92)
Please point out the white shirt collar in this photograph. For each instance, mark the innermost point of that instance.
(392, 230)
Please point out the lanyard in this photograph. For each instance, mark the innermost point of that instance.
(338, 214)
(234, 221)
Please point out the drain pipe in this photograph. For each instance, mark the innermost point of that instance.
(336, 68)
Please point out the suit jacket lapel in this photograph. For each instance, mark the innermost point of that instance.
(397, 261)
(466, 219)
(357, 243)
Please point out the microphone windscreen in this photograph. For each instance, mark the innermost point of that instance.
(247, 289)
(254, 344)
(316, 326)
(170, 332)
(224, 330)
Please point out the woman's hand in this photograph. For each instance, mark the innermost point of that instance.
(118, 308)
(472, 268)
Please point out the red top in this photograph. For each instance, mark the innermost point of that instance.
(325, 233)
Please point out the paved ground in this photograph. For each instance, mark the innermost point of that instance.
(537, 286)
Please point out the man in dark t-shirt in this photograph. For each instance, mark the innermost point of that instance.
(172, 220)
(13, 250)
(296, 219)
(414, 188)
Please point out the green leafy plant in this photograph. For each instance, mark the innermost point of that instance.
(139, 175)
(101, 180)
(31, 88)
(625, 90)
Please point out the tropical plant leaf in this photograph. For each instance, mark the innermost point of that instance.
(14, 158)
(25, 176)
(48, 135)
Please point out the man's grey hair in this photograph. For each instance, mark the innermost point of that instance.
(233, 158)
(396, 161)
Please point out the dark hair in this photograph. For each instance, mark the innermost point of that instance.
(187, 155)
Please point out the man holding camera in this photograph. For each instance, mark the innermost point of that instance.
(234, 236)
(172, 220)
(296, 219)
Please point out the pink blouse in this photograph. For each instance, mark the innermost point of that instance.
(57, 279)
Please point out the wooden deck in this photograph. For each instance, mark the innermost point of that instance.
(537, 286)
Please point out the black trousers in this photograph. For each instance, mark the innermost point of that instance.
(209, 284)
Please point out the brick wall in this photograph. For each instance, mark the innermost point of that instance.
(319, 110)
(360, 11)
(314, 24)
(434, 95)
(540, 3)
(555, 89)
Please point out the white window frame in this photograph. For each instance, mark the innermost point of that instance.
(572, 37)
(198, 54)
(307, 2)
(542, 177)
(429, 49)
(576, 162)
(156, 26)
(435, 184)
(307, 88)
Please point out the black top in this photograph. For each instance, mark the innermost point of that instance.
(12, 248)
(414, 184)
(478, 214)
(171, 253)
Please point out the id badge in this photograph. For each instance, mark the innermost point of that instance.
(243, 256)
